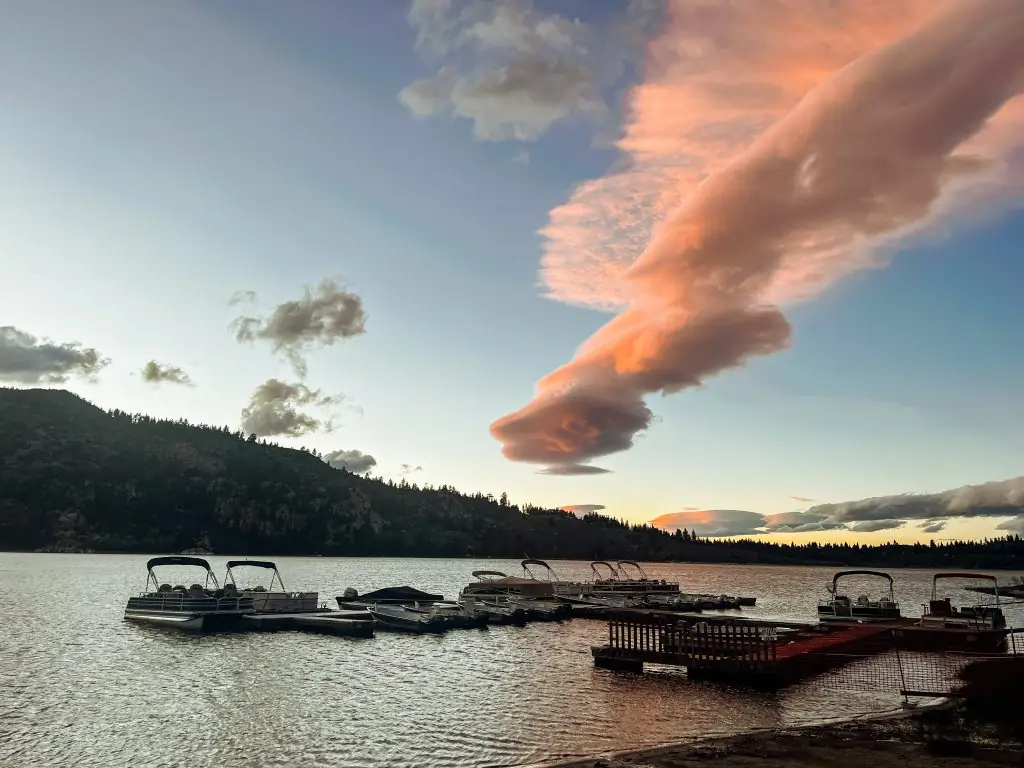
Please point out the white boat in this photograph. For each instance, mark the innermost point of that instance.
(265, 598)
(841, 608)
(197, 608)
(536, 597)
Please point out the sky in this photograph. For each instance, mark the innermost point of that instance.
(751, 269)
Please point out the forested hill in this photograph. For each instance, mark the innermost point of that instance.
(76, 478)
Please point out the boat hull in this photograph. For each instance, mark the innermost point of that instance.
(410, 624)
(191, 614)
(951, 639)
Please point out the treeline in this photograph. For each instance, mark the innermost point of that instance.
(76, 478)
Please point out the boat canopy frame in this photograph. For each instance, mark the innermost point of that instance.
(552, 576)
(633, 564)
(615, 573)
(229, 577)
(486, 575)
(833, 585)
(196, 562)
(965, 575)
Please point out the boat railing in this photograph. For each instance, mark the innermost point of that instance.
(184, 601)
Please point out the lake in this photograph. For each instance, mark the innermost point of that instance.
(82, 687)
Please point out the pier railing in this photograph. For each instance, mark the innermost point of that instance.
(663, 638)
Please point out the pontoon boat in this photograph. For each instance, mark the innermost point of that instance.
(197, 608)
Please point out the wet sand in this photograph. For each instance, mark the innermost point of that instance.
(895, 742)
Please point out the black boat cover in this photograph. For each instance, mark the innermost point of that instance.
(253, 563)
(178, 560)
(397, 595)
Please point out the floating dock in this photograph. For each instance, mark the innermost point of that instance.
(343, 623)
(763, 653)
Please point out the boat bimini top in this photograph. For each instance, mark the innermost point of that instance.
(229, 577)
(195, 562)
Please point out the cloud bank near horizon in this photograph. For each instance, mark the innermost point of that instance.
(772, 149)
(582, 510)
(930, 511)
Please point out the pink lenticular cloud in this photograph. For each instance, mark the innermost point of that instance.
(718, 76)
(874, 151)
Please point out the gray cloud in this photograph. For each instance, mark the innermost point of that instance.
(408, 469)
(995, 499)
(162, 373)
(712, 522)
(1004, 498)
(870, 526)
(274, 409)
(1013, 525)
(580, 510)
(356, 462)
(573, 469)
(514, 71)
(27, 359)
(803, 499)
(323, 316)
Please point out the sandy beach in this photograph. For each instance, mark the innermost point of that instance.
(895, 742)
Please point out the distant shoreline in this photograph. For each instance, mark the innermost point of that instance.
(237, 555)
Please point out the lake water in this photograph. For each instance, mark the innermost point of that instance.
(80, 687)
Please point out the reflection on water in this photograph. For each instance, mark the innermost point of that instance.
(82, 687)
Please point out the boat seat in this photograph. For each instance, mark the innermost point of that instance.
(259, 588)
(164, 588)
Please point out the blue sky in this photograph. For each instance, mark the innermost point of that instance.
(159, 158)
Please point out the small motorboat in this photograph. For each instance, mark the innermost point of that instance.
(406, 595)
(457, 616)
(497, 613)
(840, 608)
(265, 598)
(197, 608)
(401, 618)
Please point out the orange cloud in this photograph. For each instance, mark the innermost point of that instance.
(774, 196)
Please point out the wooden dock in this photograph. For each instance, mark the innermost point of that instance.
(343, 623)
(755, 652)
